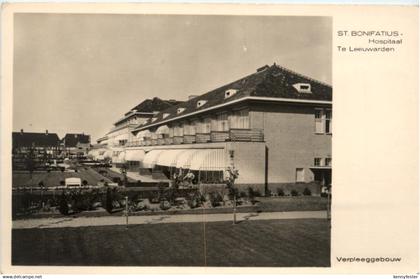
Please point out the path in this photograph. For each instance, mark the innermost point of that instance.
(159, 219)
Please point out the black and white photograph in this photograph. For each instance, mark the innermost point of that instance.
(172, 140)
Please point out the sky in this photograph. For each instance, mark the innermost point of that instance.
(79, 73)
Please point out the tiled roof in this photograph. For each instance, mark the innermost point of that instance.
(71, 140)
(152, 105)
(23, 139)
(269, 81)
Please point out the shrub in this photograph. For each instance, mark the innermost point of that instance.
(294, 193)
(268, 193)
(306, 192)
(63, 205)
(108, 200)
(62, 183)
(280, 192)
(165, 205)
(41, 184)
(215, 199)
(84, 183)
(251, 193)
(242, 194)
(257, 193)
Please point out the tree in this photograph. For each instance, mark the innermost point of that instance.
(30, 162)
(232, 175)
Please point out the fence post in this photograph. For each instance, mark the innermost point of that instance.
(126, 212)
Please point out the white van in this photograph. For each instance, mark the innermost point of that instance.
(73, 182)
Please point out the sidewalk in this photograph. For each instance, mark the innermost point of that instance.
(159, 219)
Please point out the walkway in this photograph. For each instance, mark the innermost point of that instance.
(159, 219)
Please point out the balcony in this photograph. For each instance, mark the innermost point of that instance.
(218, 136)
(202, 137)
(241, 135)
(178, 139)
(189, 138)
(246, 135)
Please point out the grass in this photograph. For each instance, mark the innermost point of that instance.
(53, 178)
(275, 243)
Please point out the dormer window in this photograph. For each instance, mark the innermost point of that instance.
(180, 110)
(165, 115)
(230, 92)
(154, 119)
(201, 103)
(302, 87)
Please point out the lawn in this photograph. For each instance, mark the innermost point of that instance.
(276, 243)
(53, 178)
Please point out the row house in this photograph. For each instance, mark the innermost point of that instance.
(274, 126)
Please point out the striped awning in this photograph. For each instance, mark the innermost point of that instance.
(143, 134)
(150, 158)
(108, 154)
(184, 159)
(209, 160)
(169, 158)
(134, 155)
(164, 129)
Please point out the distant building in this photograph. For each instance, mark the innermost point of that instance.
(38, 143)
(75, 145)
(121, 133)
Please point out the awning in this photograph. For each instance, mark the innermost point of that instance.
(121, 157)
(150, 159)
(169, 158)
(143, 134)
(184, 159)
(134, 155)
(108, 154)
(164, 129)
(209, 160)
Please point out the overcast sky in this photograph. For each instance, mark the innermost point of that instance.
(80, 73)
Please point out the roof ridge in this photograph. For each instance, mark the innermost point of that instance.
(302, 75)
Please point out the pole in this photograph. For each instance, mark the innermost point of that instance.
(126, 212)
(234, 207)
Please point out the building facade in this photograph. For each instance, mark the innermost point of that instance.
(75, 145)
(274, 126)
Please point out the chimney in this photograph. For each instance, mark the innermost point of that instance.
(46, 132)
(192, 97)
(21, 131)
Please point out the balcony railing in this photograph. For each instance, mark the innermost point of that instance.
(246, 135)
(189, 138)
(242, 135)
(178, 139)
(202, 137)
(218, 136)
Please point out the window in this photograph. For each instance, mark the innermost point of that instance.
(180, 110)
(328, 162)
(201, 103)
(165, 115)
(189, 129)
(323, 121)
(222, 122)
(302, 87)
(240, 119)
(230, 92)
(204, 126)
(328, 121)
(300, 175)
(317, 162)
(178, 131)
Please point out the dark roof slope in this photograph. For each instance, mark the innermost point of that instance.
(269, 81)
(23, 139)
(152, 105)
(71, 140)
